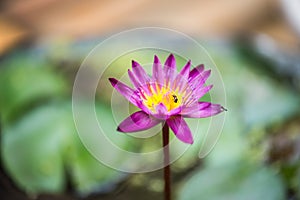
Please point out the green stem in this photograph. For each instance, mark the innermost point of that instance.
(167, 174)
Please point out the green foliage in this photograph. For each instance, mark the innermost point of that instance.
(234, 169)
(40, 146)
(33, 149)
(236, 181)
(24, 83)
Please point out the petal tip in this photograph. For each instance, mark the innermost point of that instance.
(209, 72)
(170, 62)
(190, 141)
(113, 81)
(156, 59)
(171, 55)
(134, 63)
(187, 140)
(119, 129)
(223, 109)
(200, 68)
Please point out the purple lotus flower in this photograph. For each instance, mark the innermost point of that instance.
(167, 96)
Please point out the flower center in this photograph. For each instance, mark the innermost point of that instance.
(161, 94)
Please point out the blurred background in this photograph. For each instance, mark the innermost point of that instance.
(254, 43)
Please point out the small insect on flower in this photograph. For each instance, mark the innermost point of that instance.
(167, 96)
(175, 98)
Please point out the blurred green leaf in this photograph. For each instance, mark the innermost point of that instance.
(22, 84)
(89, 175)
(235, 182)
(39, 148)
(32, 149)
(254, 97)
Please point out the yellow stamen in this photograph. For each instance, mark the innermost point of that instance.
(162, 94)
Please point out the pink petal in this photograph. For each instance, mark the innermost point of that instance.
(175, 111)
(138, 121)
(133, 79)
(180, 129)
(186, 70)
(200, 92)
(141, 105)
(140, 74)
(161, 112)
(201, 110)
(158, 73)
(126, 91)
(196, 94)
(170, 69)
(181, 79)
(200, 79)
(196, 71)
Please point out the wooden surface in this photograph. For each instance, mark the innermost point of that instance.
(52, 19)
